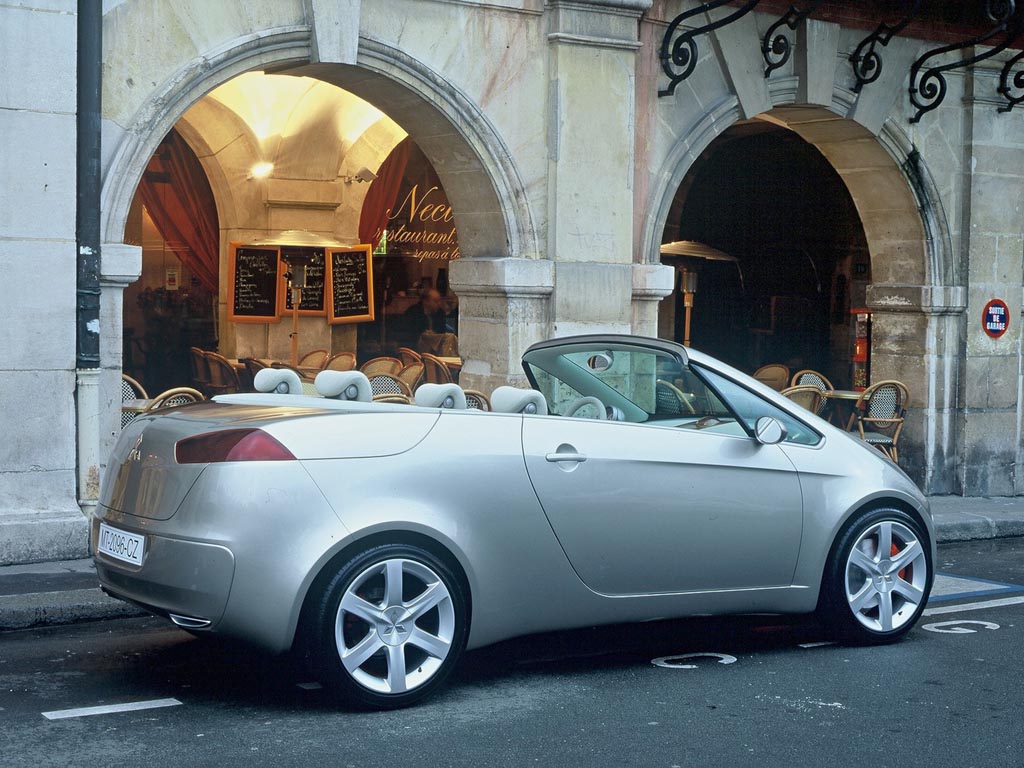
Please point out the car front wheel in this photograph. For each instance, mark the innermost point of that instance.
(878, 578)
(391, 625)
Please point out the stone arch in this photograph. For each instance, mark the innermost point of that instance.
(484, 186)
(914, 294)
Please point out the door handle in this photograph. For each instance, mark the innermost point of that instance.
(556, 457)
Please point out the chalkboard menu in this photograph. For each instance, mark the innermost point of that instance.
(254, 285)
(349, 284)
(312, 301)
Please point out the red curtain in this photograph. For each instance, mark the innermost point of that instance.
(177, 195)
(380, 198)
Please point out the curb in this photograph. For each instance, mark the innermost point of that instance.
(66, 607)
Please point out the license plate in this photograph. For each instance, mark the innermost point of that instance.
(121, 544)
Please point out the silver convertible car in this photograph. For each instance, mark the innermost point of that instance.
(637, 479)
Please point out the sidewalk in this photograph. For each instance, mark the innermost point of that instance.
(66, 592)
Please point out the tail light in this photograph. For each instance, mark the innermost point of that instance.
(230, 445)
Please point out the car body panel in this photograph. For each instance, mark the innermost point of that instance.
(699, 510)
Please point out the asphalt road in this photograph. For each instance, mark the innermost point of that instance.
(949, 694)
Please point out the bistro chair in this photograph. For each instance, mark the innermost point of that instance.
(223, 376)
(815, 379)
(806, 395)
(435, 371)
(175, 396)
(314, 359)
(386, 384)
(130, 390)
(200, 369)
(342, 361)
(409, 356)
(387, 365)
(878, 415)
(774, 375)
(669, 400)
(252, 367)
(411, 374)
(477, 400)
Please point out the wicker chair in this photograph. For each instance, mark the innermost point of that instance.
(412, 375)
(409, 356)
(130, 390)
(878, 415)
(252, 367)
(343, 361)
(175, 396)
(806, 395)
(223, 376)
(314, 359)
(385, 384)
(435, 371)
(813, 378)
(200, 369)
(477, 400)
(774, 375)
(388, 365)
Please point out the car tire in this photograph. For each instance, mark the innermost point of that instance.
(869, 595)
(389, 627)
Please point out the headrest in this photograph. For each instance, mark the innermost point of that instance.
(281, 380)
(515, 400)
(344, 385)
(441, 396)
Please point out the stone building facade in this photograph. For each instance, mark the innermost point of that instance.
(563, 167)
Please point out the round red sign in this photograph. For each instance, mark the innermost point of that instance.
(996, 318)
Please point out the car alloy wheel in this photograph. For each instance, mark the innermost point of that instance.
(878, 577)
(392, 625)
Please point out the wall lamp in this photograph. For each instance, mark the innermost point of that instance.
(260, 171)
(363, 176)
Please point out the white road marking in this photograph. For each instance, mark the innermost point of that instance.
(956, 627)
(817, 645)
(63, 714)
(309, 686)
(973, 606)
(673, 662)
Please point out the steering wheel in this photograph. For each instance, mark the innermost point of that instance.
(575, 405)
(685, 400)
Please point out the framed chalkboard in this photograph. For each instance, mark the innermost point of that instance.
(312, 302)
(349, 284)
(254, 284)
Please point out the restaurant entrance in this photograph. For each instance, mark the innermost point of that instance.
(788, 256)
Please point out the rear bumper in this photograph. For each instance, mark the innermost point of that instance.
(184, 578)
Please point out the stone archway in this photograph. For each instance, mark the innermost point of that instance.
(912, 296)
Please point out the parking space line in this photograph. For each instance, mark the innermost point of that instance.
(63, 714)
(973, 606)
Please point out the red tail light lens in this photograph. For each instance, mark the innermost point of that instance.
(230, 445)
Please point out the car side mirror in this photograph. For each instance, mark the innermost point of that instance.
(770, 431)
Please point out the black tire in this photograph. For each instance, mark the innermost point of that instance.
(383, 680)
(906, 590)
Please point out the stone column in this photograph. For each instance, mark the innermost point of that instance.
(591, 103)
(901, 316)
(651, 284)
(503, 309)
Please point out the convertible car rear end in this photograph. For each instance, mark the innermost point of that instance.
(636, 479)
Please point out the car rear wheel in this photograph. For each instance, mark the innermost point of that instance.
(390, 627)
(877, 579)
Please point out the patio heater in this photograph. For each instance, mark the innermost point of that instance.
(688, 286)
(296, 276)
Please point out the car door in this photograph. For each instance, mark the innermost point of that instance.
(644, 509)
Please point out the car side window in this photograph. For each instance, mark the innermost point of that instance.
(750, 407)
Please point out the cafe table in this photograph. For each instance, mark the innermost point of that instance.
(844, 404)
(130, 409)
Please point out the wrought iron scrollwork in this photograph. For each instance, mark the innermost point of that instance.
(679, 51)
(1010, 81)
(776, 47)
(928, 89)
(866, 61)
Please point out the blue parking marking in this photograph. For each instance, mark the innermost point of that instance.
(950, 587)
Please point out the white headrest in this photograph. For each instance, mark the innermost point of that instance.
(441, 396)
(281, 380)
(515, 400)
(344, 385)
